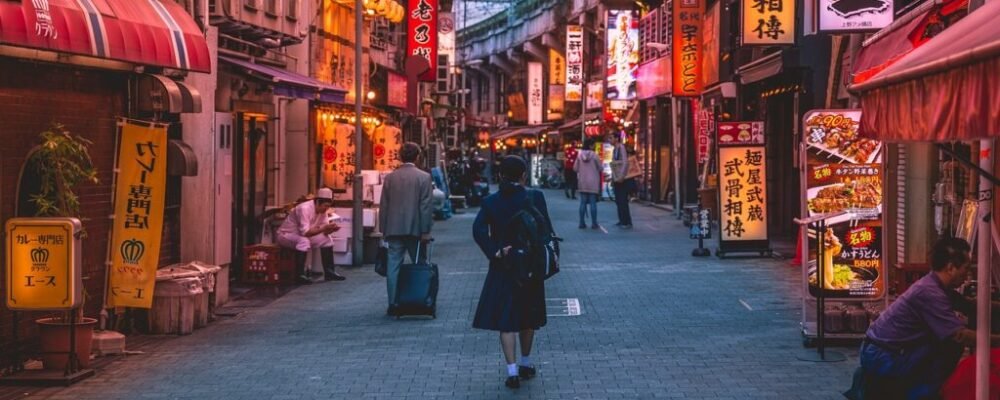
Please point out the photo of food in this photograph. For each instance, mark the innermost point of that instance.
(851, 194)
(837, 136)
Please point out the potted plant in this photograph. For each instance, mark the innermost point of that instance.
(59, 163)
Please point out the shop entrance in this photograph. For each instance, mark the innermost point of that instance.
(252, 186)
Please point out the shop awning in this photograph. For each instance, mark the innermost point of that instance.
(762, 68)
(901, 37)
(948, 89)
(147, 32)
(289, 84)
(521, 130)
(575, 124)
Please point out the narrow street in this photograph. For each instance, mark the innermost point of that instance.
(654, 323)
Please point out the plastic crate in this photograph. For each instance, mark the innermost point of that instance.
(268, 264)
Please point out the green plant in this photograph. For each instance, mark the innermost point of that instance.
(62, 161)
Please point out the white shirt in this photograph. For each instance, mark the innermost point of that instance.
(302, 218)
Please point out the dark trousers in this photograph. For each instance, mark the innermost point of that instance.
(622, 190)
(916, 373)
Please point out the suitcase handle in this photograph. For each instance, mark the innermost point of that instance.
(429, 248)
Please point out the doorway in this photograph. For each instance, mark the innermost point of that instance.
(252, 186)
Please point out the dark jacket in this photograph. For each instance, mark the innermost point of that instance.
(506, 305)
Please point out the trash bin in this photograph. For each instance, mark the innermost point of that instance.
(177, 301)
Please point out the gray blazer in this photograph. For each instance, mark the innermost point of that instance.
(406, 207)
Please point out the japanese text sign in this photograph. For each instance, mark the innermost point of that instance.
(140, 188)
(557, 68)
(843, 173)
(623, 54)
(854, 16)
(337, 140)
(743, 190)
(535, 94)
(687, 46)
(595, 95)
(43, 264)
(387, 140)
(574, 63)
(397, 90)
(768, 22)
(422, 34)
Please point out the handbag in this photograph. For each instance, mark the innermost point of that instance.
(633, 168)
(382, 261)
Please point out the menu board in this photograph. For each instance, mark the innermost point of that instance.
(742, 187)
(844, 174)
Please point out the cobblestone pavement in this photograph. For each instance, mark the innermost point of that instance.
(655, 323)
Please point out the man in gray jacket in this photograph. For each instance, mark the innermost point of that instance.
(405, 214)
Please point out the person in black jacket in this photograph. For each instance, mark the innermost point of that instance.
(515, 309)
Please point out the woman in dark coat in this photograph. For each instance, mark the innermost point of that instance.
(505, 305)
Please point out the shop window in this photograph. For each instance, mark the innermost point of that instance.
(292, 9)
(250, 4)
(271, 7)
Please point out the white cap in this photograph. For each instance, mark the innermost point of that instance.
(324, 193)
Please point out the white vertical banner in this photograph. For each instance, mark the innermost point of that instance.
(534, 93)
(574, 63)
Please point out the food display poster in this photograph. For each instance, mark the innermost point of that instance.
(742, 194)
(843, 172)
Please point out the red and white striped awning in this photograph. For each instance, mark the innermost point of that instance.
(147, 32)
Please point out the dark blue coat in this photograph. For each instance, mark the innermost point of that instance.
(505, 305)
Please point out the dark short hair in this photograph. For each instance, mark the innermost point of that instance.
(950, 251)
(409, 152)
(588, 144)
(512, 168)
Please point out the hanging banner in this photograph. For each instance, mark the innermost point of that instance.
(387, 141)
(623, 54)
(446, 35)
(854, 16)
(768, 22)
(710, 41)
(844, 173)
(743, 188)
(687, 46)
(337, 140)
(557, 104)
(704, 122)
(396, 96)
(595, 95)
(43, 264)
(423, 34)
(557, 68)
(535, 95)
(574, 63)
(140, 186)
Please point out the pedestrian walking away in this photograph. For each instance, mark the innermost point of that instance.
(912, 348)
(509, 304)
(588, 168)
(569, 171)
(306, 228)
(621, 185)
(405, 215)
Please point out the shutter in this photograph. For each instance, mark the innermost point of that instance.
(900, 203)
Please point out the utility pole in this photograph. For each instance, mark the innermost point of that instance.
(357, 216)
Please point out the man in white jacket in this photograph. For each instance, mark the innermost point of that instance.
(306, 228)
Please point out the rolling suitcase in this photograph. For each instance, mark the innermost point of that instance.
(417, 287)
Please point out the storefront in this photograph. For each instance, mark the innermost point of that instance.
(937, 103)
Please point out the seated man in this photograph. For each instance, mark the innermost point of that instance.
(305, 228)
(911, 349)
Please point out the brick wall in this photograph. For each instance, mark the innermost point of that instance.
(32, 96)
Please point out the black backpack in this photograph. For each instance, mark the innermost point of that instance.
(534, 250)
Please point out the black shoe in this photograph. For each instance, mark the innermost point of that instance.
(512, 382)
(595, 226)
(583, 226)
(333, 276)
(626, 226)
(303, 280)
(526, 372)
(619, 224)
(391, 311)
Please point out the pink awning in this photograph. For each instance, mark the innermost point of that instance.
(148, 32)
(946, 90)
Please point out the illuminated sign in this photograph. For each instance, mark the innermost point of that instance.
(397, 90)
(710, 41)
(535, 95)
(843, 173)
(43, 264)
(854, 15)
(595, 95)
(574, 63)
(655, 78)
(422, 34)
(768, 22)
(623, 54)
(140, 188)
(557, 68)
(742, 184)
(687, 47)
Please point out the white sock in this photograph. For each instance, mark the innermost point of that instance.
(511, 369)
(525, 361)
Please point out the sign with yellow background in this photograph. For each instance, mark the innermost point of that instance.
(43, 264)
(768, 22)
(140, 187)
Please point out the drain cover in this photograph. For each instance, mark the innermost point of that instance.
(569, 307)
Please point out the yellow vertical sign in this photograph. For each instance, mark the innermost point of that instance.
(43, 259)
(139, 195)
(743, 179)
